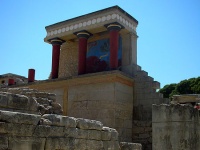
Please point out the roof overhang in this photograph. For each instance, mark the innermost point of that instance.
(93, 23)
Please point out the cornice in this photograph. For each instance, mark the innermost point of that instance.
(91, 21)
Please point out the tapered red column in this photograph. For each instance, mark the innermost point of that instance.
(114, 44)
(82, 50)
(56, 43)
(31, 75)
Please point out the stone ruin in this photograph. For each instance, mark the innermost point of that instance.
(32, 120)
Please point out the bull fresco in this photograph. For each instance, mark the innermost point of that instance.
(98, 54)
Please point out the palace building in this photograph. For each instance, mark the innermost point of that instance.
(95, 74)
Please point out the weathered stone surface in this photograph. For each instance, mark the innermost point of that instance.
(3, 142)
(71, 132)
(80, 144)
(42, 131)
(176, 128)
(20, 129)
(106, 134)
(82, 134)
(58, 120)
(130, 146)
(89, 124)
(94, 135)
(60, 144)
(17, 117)
(3, 99)
(94, 145)
(26, 143)
(111, 145)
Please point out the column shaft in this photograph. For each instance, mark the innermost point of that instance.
(82, 55)
(31, 75)
(55, 60)
(114, 46)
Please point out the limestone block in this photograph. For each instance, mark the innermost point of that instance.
(71, 132)
(111, 145)
(51, 96)
(164, 112)
(94, 135)
(41, 94)
(123, 114)
(94, 145)
(20, 129)
(42, 131)
(60, 144)
(26, 143)
(56, 131)
(80, 144)
(59, 120)
(130, 146)
(18, 101)
(3, 142)
(82, 134)
(17, 117)
(42, 101)
(89, 124)
(3, 100)
(106, 134)
(114, 134)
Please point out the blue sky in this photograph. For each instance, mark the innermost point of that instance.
(168, 30)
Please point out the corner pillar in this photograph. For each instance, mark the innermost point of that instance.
(114, 29)
(82, 50)
(56, 43)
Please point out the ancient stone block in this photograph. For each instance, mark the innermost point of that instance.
(26, 143)
(59, 120)
(94, 145)
(20, 129)
(130, 146)
(71, 132)
(56, 131)
(42, 131)
(3, 127)
(3, 142)
(94, 135)
(111, 145)
(3, 100)
(106, 134)
(17, 117)
(89, 124)
(80, 144)
(82, 134)
(18, 101)
(59, 143)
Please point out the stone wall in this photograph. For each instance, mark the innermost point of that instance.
(175, 127)
(110, 103)
(50, 131)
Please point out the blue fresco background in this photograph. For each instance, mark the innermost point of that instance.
(98, 54)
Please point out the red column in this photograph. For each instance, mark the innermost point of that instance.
(114, 44)
(56, 43)
(82, 50)
(11, 81)
(31, 75)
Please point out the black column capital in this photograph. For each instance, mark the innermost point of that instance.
(114, 26)
(83, 33)
(56, 41)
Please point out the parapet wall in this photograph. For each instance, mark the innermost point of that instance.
(50, 131)
(175, 127)
(23, 126)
